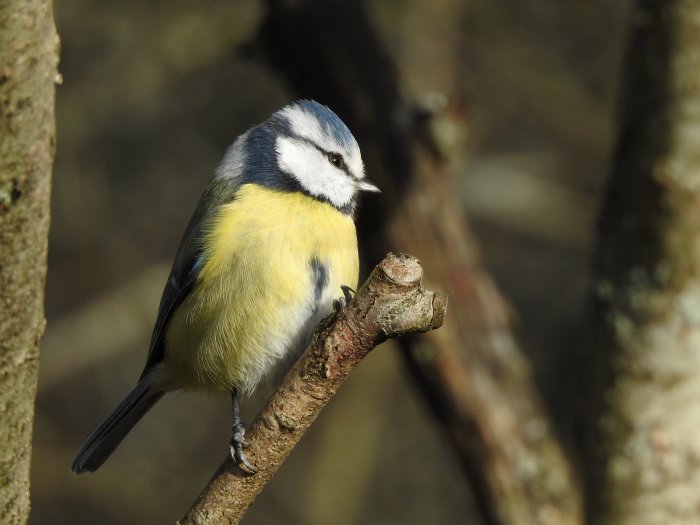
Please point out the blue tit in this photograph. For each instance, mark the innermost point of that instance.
(270, 245)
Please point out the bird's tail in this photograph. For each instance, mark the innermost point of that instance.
(101, 443)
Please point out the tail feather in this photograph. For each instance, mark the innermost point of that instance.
(101, 443)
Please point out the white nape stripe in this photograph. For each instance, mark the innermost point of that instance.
(306, 125)
(311, 168)
(233, 163)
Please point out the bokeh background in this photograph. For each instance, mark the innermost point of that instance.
(153, 92)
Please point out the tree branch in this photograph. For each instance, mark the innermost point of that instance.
(391, 303)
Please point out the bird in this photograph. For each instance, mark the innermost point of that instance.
(270, 250)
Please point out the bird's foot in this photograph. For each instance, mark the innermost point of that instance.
(236, 446)
(343, 301)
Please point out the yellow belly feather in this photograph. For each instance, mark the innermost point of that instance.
(256, 290)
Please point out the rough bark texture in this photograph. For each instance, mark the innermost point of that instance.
(28, 61)
(644, 452)
(391, 303)
(475, 376)
(471, 371)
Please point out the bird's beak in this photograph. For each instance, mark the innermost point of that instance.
(365, 185)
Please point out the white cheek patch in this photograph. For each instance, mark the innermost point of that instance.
(354, 161)
(313, 171)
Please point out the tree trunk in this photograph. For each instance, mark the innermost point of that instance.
(28, 62)
(643, 445)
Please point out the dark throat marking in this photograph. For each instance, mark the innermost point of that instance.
(320, 277)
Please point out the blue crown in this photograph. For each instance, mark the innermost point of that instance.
(330, 122)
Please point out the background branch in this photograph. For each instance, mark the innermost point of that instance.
(472, 373)
(391, 303)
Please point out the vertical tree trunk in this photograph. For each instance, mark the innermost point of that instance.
(28, 62)
(644, 449)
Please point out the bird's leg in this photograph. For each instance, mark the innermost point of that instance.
(238, 438)
(343, 301)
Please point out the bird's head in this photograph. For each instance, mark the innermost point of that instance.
(302, 147)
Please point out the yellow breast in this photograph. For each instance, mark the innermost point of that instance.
(256, 294)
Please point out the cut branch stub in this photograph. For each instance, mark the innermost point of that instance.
(391, 303)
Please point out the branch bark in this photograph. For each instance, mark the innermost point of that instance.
(28, 62)
(391, 303)
(643, 445)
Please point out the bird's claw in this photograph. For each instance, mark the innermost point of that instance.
(236, 446)
(342, 302)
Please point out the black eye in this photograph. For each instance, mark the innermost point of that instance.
(336, 159)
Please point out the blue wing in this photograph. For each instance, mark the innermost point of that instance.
(188, 262)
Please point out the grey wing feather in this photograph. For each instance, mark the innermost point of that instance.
(187, 264)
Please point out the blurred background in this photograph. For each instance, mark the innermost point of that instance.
(153, 93)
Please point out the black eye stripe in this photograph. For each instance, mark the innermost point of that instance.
(343, 168)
